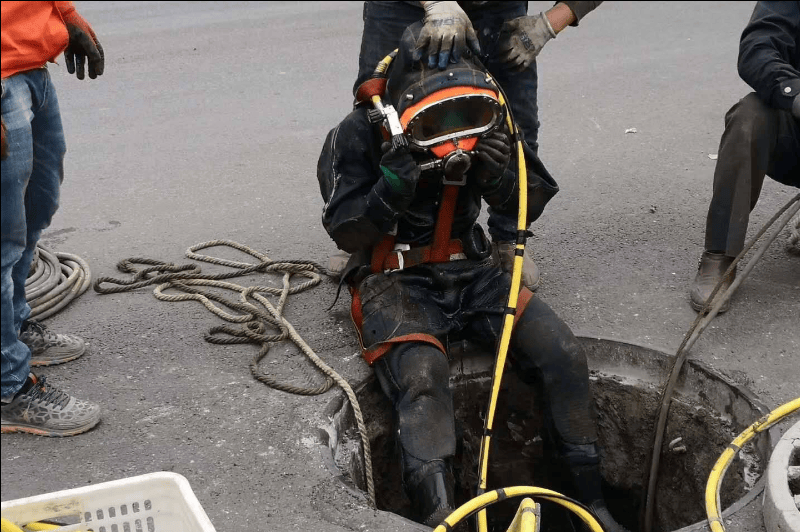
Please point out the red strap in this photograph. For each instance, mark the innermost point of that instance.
(444, 224)
(371, 355)
(380, 252)
(523, 299)
(368, 89)
(420, 255)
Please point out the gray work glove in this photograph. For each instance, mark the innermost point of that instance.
(522, 39)
(796, 107)
(446, 33)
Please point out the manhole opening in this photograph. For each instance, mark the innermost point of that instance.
(706, 414)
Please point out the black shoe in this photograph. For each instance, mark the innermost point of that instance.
(710, 272)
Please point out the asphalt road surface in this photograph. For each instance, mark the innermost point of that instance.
(208, 123)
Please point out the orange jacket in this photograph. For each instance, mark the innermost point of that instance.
(33, 33)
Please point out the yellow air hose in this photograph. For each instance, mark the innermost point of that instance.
(479, 504)
(719, 469)
(508, 317)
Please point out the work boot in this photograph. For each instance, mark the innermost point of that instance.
(432, 498)
(39, 408)
(710, 271)
(48, 348)
(530, 271)
(337, 262)
(583, 462)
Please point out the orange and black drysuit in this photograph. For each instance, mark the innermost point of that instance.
(405, 316)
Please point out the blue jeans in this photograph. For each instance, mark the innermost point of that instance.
(384, 24)
(31, 178)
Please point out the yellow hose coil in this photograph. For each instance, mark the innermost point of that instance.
(719, 469)
(480, 502)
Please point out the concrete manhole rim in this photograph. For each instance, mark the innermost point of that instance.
(326, 451)
(780, 512)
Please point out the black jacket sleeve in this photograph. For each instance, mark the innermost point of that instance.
(769, 59)
(580, 9)
(503, 198)
(360, 206)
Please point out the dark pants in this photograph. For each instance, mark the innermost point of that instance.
(384, 24)
(468, 300)
(758, 140)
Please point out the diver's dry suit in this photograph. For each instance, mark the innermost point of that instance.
(405, 306)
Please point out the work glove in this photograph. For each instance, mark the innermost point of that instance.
(3, 141)
(446, 33)
(493, 153)
(796, 107)
(83, 44)
(522, 39)
(400, 171)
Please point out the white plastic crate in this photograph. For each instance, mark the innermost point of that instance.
(156, 502)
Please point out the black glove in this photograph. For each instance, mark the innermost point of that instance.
(494, 153)
(796, 107)
(83, 44)
(446, 31)
(400, 171)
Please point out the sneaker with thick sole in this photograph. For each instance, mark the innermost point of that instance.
(710, 271)
(48, 348)
(39, 408)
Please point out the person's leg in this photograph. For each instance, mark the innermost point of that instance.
(41, 203)
(416, 377)
(384, 24)
(31, 177)
(47, 173)
(16, 171)
(746, 148)
(547, 354)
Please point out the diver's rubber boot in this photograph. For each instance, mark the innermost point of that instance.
(584, 465)
(432, 497)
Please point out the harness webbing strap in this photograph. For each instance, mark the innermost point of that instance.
(444, 224)
(380, 252)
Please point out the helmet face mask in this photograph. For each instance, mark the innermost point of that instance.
(453, 118)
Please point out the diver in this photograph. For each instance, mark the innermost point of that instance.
(404, 203)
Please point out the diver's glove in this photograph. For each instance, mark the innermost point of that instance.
(83, 45)
(446, 34)
(493, 153)
(521, 40)
(796, 107)
(393, 192)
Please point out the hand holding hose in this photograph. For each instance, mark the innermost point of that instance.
(400, 170)
(494, 153)
(522, 39)
(446, 33)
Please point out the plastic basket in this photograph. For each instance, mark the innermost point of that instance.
(156, 502)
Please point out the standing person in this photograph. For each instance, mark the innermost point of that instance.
(761, 137)
(507, 41)
(421, 269)
(33, 149)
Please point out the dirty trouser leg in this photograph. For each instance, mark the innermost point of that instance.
(757, 140)
(31, 178)
(416, 379)
(547, 354)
